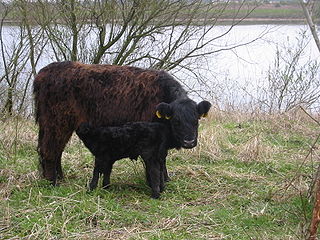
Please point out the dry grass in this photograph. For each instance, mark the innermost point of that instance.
(248, 178)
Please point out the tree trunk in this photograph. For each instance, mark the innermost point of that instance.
(8, 107)
(312, 26)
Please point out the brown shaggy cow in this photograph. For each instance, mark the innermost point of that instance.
(69, 93)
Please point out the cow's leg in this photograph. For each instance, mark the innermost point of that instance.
(153, 176)
(59, 167)
(108, 163)
(50, 148)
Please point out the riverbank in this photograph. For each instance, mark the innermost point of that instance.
(259, 21)
(272, 13)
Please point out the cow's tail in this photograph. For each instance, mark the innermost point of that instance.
(36, 93)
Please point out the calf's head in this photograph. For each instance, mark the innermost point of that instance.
(183, 115)
(83, 129)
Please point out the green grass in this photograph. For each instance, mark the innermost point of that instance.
(243, 181)
(263, 10)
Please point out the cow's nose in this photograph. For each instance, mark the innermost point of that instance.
(189, 143)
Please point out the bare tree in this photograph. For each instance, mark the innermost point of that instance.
(141, 32)
(160, 34)
(308, 7)
(13, 61)
(21, 47)
(62, 22)
(289, 83)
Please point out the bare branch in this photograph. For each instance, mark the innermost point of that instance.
(312, 26)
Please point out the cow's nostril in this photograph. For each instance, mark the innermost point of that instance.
(189, 142)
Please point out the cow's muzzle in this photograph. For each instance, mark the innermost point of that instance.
(189, 143)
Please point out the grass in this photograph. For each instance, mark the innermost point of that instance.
(269, 11)
(248, 178)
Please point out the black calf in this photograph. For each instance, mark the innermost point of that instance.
(149, 140)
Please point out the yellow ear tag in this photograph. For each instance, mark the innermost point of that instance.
(204, 115)
(167, 117)
(158, 114)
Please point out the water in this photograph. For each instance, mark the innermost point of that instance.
(239, 76)
(246, 67)
(236, 72)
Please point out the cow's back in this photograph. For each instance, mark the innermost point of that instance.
(102, 94)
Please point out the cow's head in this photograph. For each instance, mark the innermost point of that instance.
(183, 115)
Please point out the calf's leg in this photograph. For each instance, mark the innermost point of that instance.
(165, 172)
(96, 174)
(107, 168)
(163, 152)
(153, 176)
(162, 177)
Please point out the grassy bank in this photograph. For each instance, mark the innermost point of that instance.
(248, 178)
(272, 13)
(249, 12)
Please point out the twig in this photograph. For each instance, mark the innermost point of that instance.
(310, 115)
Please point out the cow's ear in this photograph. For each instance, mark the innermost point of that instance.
(164, 110)
(203, 108)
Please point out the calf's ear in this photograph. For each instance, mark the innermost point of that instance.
(203, 108)
(163, 110)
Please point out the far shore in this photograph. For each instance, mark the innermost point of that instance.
(253, 21)
(227, 21)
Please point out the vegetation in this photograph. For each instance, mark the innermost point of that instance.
(267, 12)
(250, 177)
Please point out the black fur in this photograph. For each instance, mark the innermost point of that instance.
(151, 141)
(182, 117)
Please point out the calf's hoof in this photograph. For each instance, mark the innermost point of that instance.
(54, 182)
(167, 178)
(155, 195)
(92, 186)
(162, 187)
